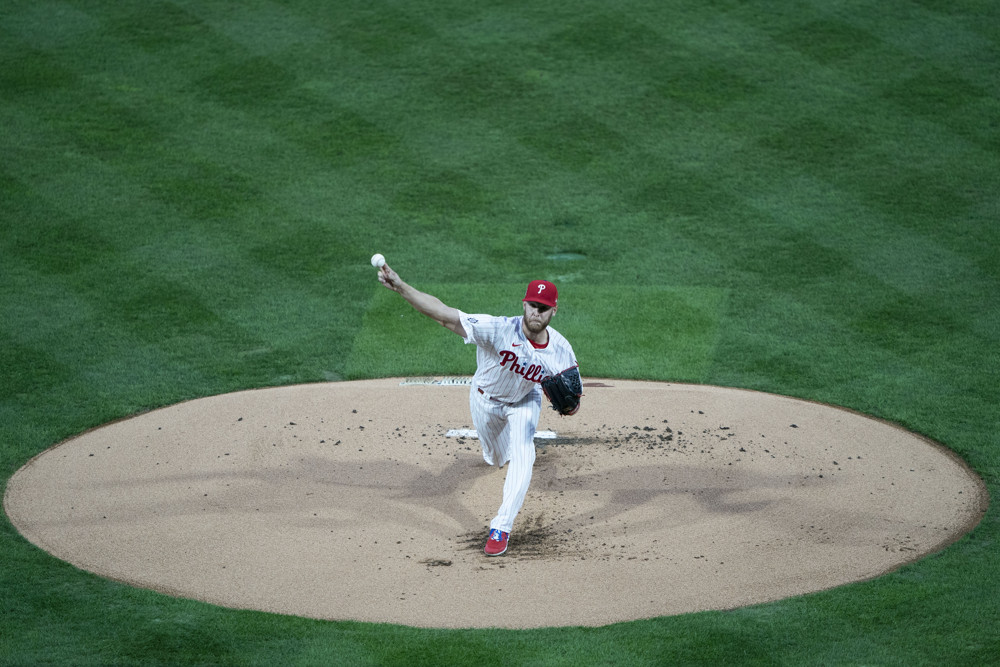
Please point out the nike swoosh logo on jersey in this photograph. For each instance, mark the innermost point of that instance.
(515, 345)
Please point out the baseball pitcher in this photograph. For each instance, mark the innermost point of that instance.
(518, 359)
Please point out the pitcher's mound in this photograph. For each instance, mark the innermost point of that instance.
(349, 501)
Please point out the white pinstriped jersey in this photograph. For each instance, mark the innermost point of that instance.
(508, 366)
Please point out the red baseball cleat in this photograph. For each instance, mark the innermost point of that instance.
(497, 542)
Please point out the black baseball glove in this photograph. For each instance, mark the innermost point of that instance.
(564, 391)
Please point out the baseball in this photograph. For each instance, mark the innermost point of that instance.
(378, 260)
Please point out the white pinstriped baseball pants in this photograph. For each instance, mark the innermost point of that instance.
(507, 433)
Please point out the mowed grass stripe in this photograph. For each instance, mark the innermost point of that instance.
(166, 289)
(201, 192)
(106, 121)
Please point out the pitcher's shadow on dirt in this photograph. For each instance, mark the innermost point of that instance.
(718, 490)
(413, 495)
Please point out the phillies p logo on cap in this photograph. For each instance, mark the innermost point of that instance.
(542, 291)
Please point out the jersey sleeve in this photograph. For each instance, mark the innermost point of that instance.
(480, 330)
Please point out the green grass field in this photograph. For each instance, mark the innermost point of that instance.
(798, 197)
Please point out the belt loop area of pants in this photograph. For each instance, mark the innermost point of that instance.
(491, 398)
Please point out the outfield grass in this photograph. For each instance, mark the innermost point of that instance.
(795, 197)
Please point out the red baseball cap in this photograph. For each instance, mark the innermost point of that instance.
(542, 291)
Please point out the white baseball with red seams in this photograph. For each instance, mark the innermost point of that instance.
(506, 398)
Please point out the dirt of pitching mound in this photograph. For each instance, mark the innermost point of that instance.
(350, 501)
